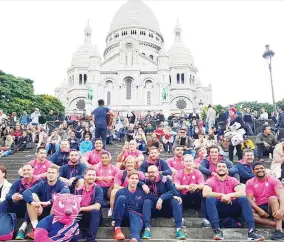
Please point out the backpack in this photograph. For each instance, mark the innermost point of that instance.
(230, 222)
(8, 225)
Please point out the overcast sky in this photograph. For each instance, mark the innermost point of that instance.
(226, 38)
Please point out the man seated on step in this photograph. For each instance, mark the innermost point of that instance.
(130, 149)
(15, 203)
(121, 181)
(128, 208)
(154, 159)
(244, 168)
(176, 163)
(40, 164)
(208, 166)
(73, 172)
(39, 197)
(225, 197)
(90, 210)
(189, 181)
(266, 195)
(105, 176)
(93, 157)
(162, 201)
(61, 157)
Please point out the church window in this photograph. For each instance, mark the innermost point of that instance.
(151, 57)
(80, 79)
(143, 53)
(190, 79)
(178, 80)
(128, 89)
(148, 98)
(108, 98)
(85, 78)
(170, 77)
(182, 78)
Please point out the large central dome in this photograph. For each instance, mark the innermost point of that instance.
(135, 14)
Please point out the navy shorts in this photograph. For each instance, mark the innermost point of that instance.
(265, 207)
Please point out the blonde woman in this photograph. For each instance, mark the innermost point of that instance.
(8, 147)
(141, 140)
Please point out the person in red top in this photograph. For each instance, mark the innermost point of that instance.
(93, 157)
(130, 149)
(266, 195)
(201, 155)
(225, 197)
(189, 182)
(40, 164)
(17, 134)
(176, 163)
(159, 132)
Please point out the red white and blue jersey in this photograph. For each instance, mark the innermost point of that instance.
(58, 231)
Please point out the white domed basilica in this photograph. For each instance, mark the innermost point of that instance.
(136, 72)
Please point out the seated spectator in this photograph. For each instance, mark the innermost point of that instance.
(73, 172)
(278, 159)
(201, 142)
(86, 145)
(159, 132)
(265, 142)
(168, 140)
(17, 133)
(93, 157)
(24, 142)
(110, 133)
(153, 141)
(225, 197)
(105, 175)
(189, 182)
(129, 209)
(40, 164)
(201, 155)
(42, 139)
(61, 157)
(266, 196)
(4, 184)
(185, 141)
(244, 168)
(24, 119)
(154, 159)
(130, 149)
(141, 140)
(209, 165)
(39, 197)
(247, 144)
(149, 128)
(90, 209)
(162, 201)
(86, 130)
(53, 142)
(121, 181)
(14, 202)
(74, 142)
(176, 163)
(8, 146)
(224, 145)
(130, 132)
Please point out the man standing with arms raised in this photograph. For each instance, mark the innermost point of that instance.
(100, 118)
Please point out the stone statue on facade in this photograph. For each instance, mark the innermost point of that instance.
(165, 94)
(90, 93)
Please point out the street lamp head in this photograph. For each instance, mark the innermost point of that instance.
(268, 54)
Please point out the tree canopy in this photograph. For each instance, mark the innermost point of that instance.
(17, 95)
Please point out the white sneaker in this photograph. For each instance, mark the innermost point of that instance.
(109, 213)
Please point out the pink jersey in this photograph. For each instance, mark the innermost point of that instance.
(40, 167)
(87, 196)
(176, 163)
(109, 170)
(119, 176)
(134, 153)
(262, 190)
(93, 157)
(195, 177)
(198, 160)
(225, 187)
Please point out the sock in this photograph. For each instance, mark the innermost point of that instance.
(250, 230)
(117, 228)
(34, 223)
(178, 229)
(24, 226)
(147, 229)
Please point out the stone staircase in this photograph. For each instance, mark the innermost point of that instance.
(163, 229)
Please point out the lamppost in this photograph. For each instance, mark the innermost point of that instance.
(268, 54)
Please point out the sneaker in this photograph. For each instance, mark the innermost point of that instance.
(112, 223)
(218, 234)
(277, 235)
(133, 240)
(254, 235)
(147, 234)
(20, 235)
(109, 213)
(181, 235)
(205, 223)
(118, 235)
(30, 235)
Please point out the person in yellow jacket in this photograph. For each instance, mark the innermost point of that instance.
(247, 144)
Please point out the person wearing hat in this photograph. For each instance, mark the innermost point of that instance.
(247, 144)
(234, 118)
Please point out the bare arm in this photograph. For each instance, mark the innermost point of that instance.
(239, 192)
(207, 192)
(256, 208)
(120, 157)
(96, 206)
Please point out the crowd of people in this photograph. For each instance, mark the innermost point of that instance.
(212, 169)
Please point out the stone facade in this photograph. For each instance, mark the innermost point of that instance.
(136, 73)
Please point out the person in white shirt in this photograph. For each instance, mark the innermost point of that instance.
(263, 115)
(211, 116)
(35, 116)
(4, 184)
(3, 117)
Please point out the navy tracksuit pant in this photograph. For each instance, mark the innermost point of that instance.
(217, 209)
(19, 208)
(170, 208)
(194, 200)
(122, 213)
(91, 220)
